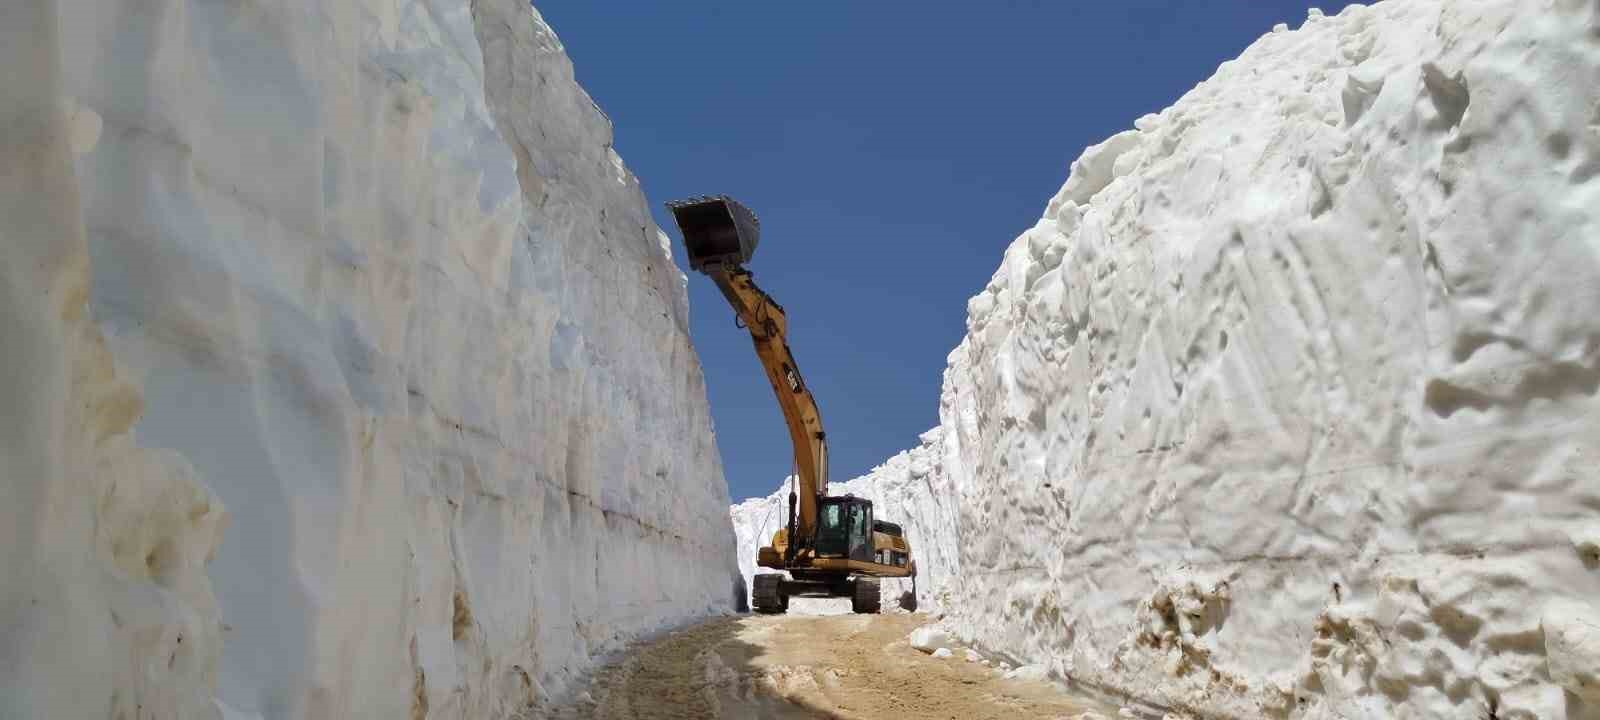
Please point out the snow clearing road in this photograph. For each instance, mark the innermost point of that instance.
(803, 666)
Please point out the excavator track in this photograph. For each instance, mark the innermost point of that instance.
(767, 596)
(866, 596)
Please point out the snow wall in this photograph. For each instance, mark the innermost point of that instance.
(345, 372)
(1287, 408)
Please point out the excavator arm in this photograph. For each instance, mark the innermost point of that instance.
(719, 235)
(768, 326)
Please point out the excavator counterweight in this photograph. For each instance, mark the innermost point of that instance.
(831, 546)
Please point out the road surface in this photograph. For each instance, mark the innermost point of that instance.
(804, 666)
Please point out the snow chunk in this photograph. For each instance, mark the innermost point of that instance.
(84, 127)
(929, 638)
(1572, 644)
(1028, 672)
(1094, 170)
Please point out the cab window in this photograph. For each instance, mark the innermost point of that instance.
(830, 516)
(833, 530)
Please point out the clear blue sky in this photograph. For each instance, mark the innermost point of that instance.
(892, 150)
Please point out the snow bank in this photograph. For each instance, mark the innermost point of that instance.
(369, 276)
(1287, 406)
(1290, 412)
(910, 489)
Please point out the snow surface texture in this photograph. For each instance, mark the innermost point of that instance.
(369, 276)
(1287, 406)
(909, 489)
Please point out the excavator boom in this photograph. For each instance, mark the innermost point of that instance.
(768, 331)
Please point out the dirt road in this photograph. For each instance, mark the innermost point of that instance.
(797, 666)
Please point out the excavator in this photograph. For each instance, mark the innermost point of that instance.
(831, 546)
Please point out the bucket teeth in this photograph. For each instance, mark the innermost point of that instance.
(703, 199)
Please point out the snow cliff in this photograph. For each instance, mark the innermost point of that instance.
(1287, 406)
(345, 372)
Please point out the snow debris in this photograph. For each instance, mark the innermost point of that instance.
(1572, 644)
(1028, 672)
(929, 638)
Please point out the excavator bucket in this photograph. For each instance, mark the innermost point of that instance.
(717, 231)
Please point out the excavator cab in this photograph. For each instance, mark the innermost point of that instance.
(718, 232)
(844, 529)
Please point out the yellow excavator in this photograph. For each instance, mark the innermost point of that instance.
(831, 546)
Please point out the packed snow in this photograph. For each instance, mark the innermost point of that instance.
(346, 374)
(1287, 405)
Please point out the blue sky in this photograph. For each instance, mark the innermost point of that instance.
(892, 150)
